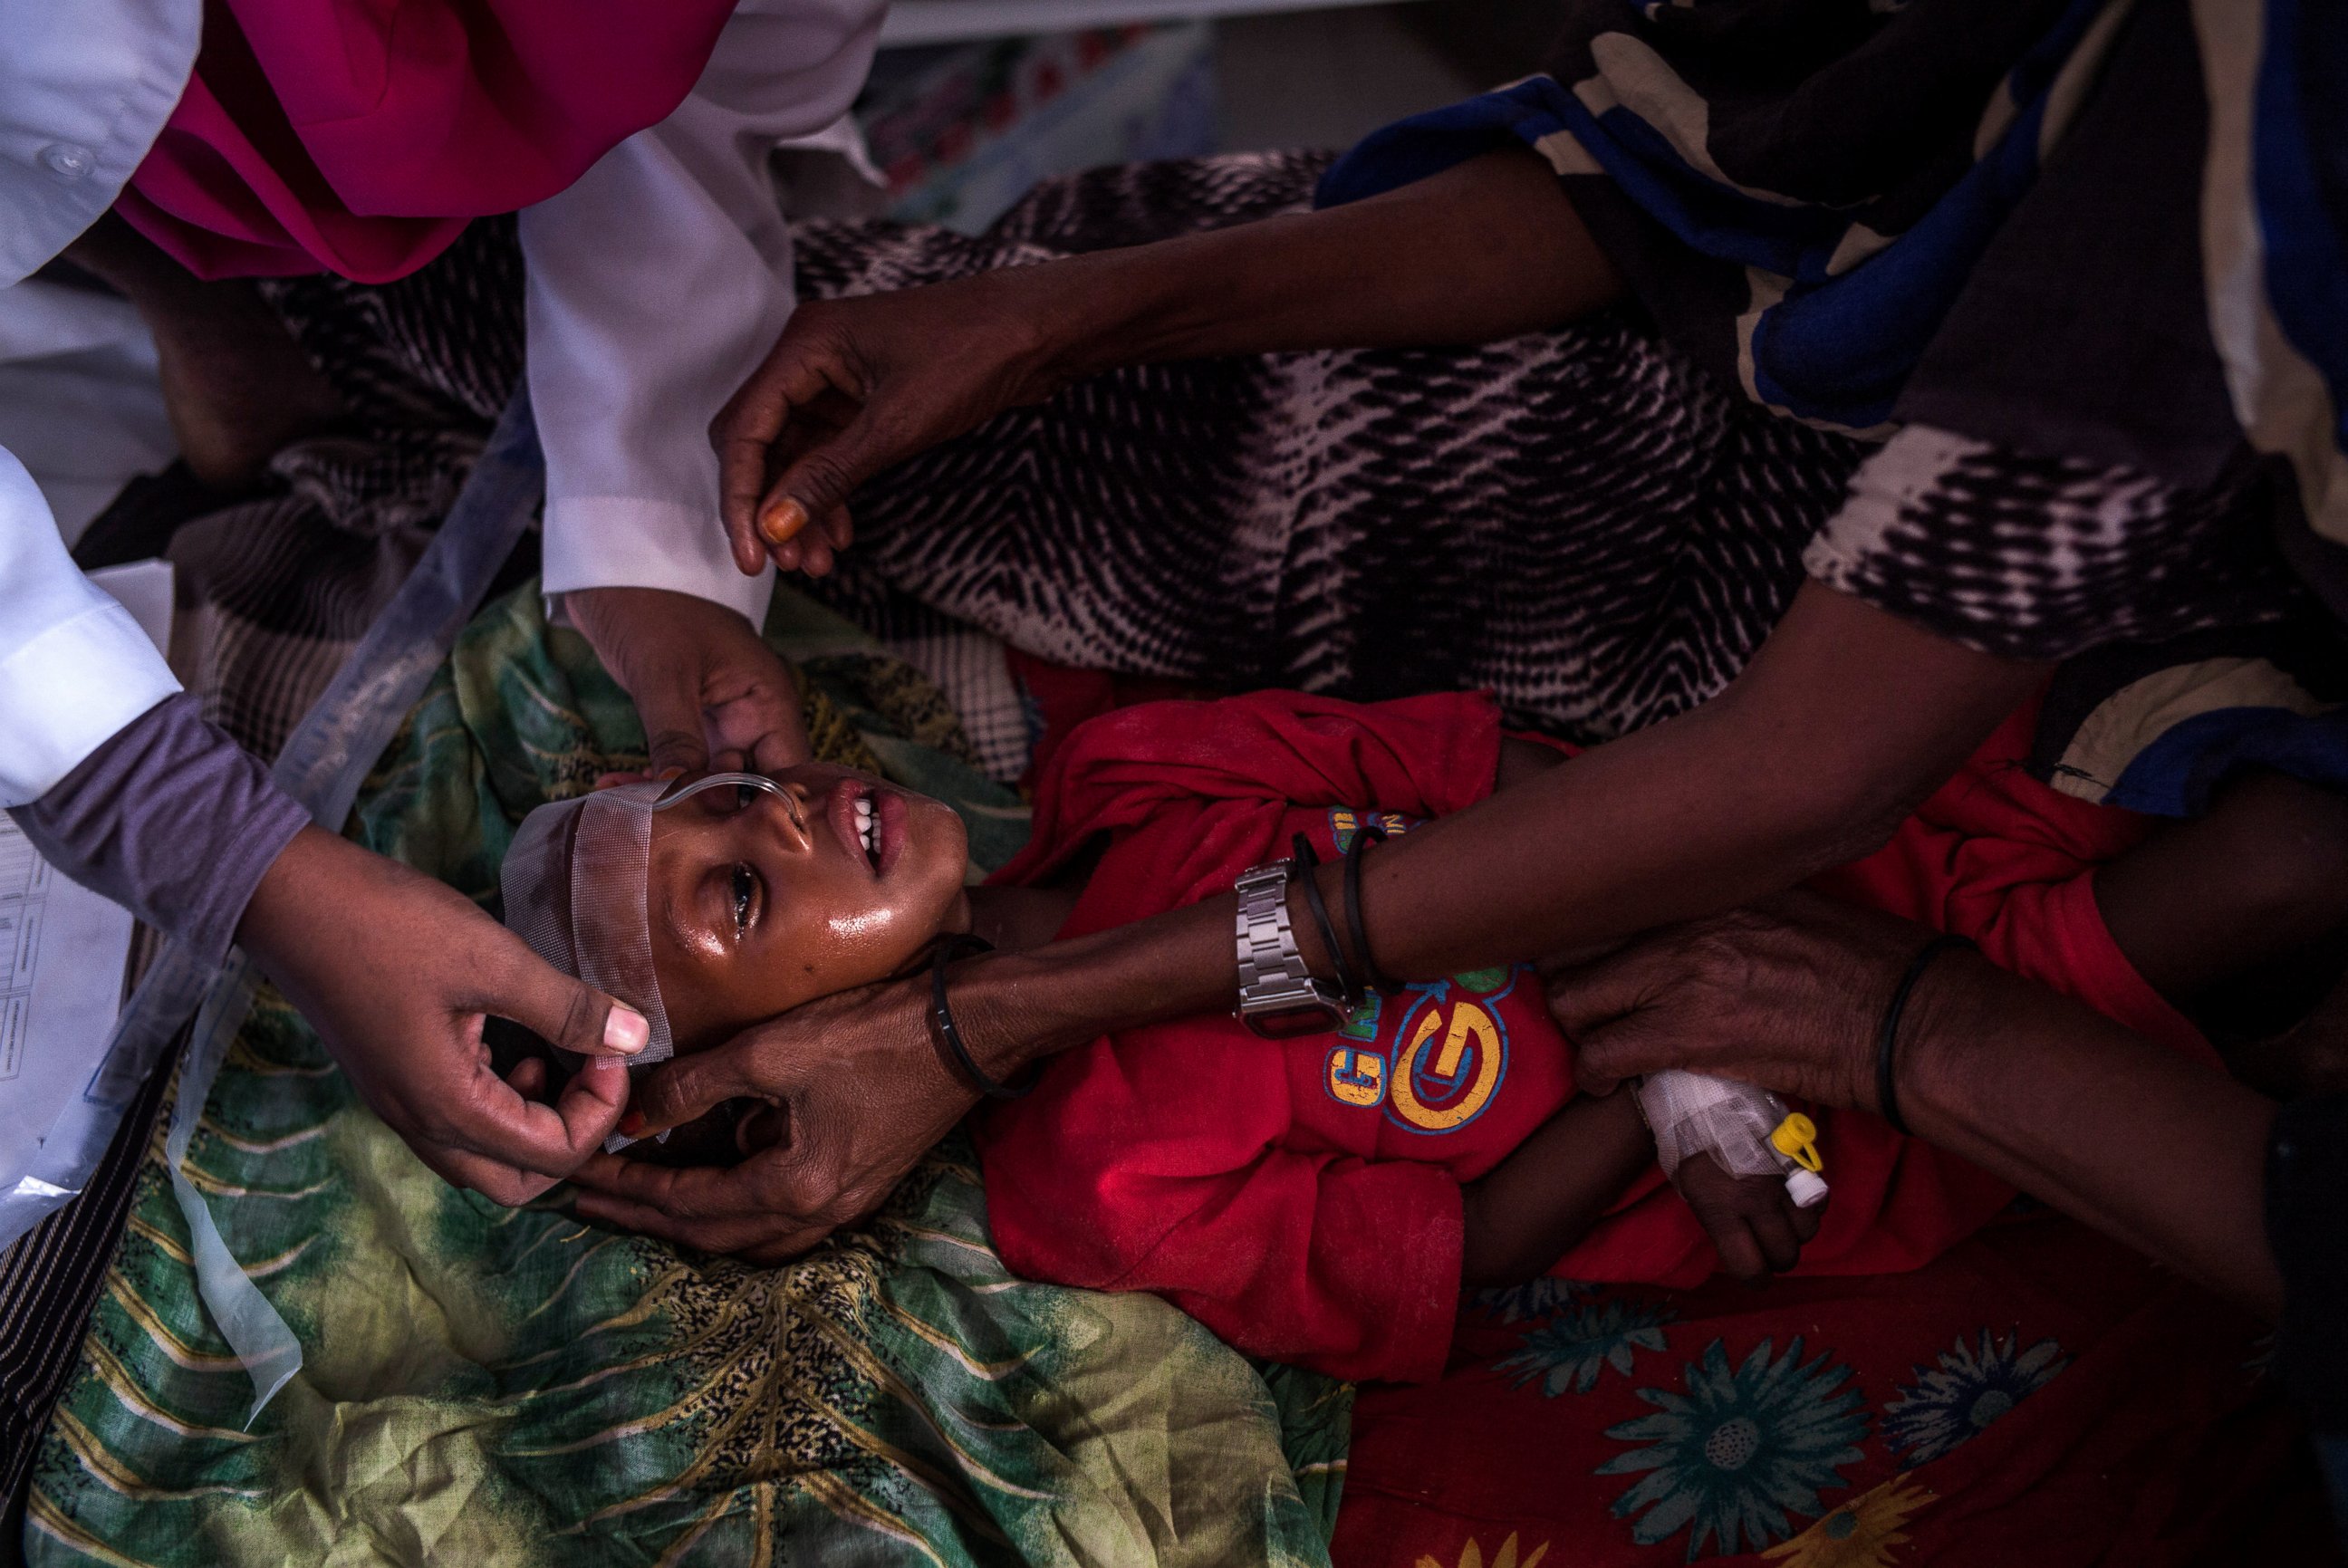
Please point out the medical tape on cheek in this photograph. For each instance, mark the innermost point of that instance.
(619, 1140)
(576, 884)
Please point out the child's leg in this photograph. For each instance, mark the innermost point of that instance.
(2240, 919)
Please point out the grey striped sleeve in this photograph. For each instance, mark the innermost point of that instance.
(171, 818)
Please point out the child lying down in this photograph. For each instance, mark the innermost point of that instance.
(1322, 1199)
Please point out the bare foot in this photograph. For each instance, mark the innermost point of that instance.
(237, 387)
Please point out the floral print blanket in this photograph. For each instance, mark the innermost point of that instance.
(2038, 1397)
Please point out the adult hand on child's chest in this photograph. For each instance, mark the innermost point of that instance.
(862, 1095)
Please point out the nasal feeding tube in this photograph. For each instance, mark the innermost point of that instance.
(755, 781)
(1748, 1130)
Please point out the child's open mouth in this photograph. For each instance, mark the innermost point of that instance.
(869, 821)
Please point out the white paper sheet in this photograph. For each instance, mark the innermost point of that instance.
(62, 948)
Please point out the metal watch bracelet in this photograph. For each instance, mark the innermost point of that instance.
(1278, 995)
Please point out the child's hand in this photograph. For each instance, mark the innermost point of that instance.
(1752, 1220)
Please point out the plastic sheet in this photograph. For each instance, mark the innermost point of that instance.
(324, 763)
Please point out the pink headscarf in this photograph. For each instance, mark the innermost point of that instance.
(359, 136)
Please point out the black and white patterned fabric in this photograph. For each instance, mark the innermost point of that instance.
(48, 1279)
(1582, 522)
(2043, 558)
(2045, 226)
(1578, 521)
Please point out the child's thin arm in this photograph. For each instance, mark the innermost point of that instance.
(1527, 1211)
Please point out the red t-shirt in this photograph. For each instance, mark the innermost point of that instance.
(1301, 1198)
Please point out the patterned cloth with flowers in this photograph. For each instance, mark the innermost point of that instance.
(2037, 1397)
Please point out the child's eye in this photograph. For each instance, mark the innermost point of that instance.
(745, 884)
(742, 795)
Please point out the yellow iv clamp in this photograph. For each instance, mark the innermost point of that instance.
(1797, 1138)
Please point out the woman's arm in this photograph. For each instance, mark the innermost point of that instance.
(2034, 1088)
(2130, 1137)
(1483, 251)
(1844, 720)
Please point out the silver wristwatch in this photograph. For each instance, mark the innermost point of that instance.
(1278, 997)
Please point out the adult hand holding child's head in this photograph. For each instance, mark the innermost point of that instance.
(862, 1094)
(397, 973)
(709, 690)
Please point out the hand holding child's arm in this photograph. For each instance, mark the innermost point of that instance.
(2035, 1089)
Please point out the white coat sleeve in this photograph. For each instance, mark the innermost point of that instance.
(656, 284)
(75, 668)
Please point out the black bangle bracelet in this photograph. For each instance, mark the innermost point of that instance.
(1301, 870)
(1364, 837)
(1887, 1042)
(941, 1019)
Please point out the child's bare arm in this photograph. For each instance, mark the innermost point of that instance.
(1525, 1212)
(1530, 1210)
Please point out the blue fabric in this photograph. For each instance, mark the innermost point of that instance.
(2306, 264)
(1834, 349)
(2175, 776)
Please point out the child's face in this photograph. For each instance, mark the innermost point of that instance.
(759, 904)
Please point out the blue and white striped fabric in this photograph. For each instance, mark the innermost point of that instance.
(1811, 190)
(2275, 205)
(2081, 265)
(1823, 337)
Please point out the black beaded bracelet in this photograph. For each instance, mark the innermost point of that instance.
(1887, 1042)
(941, 1019)
(1301, 870)
(1364, 837)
